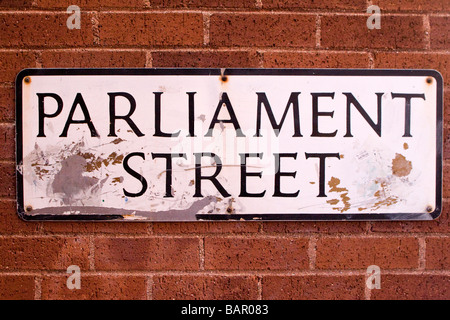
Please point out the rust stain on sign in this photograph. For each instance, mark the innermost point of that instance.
(333, 184)
(400, 166)
(383, 195)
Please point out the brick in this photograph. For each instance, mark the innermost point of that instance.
(215, 4)
(440, 31)
(262, 30)
(147, 253)
(7, 105)
(205, 227)
(315, 4)
(412, 287)
(415, 60)
(316, 60)
(438, 225)
(43, 253)
(27, 29)
(90, 4)
(11, 62)
(16, 4)
(314, 287)
(93, 59)
(359, 253)
(218, 287)
(256, 254)
(14, 287)
(319, 226)
(446, 181)
(437, 253)
(446, 147)
(10, 223)
(351, 32)
(416, 5)
(50, 227)
(446, 107)
(203, 59)
(151, 29)
(95, 287)
(7, 142)
(8, 185)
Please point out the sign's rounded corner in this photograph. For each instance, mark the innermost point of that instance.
(22, 74)
(436, 213)
(436, 75)
(22, 215)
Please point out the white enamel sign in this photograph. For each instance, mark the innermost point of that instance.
(234, 144)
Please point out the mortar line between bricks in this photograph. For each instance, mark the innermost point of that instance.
(259, 288)
(201, 253)
(312, 252)
(231, 273)
(91, 255)
(38, 287)
(427, 29)
(211, 49)
(228, 11)
(149, 288)
(226, 235)
(422, 254)
(318, 31)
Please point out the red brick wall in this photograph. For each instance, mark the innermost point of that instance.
(220, 260)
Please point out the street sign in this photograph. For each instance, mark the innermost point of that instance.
(229, 144)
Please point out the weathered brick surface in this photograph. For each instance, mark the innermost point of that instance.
(416, 5)
(331, 5)
(262, 30)
(90, 4)
(30, 30)
(11, 62)
(8, 185)
(147, 253)
(440, 31)
(205, 59)
(437, 253)
(413, 287)
(256, 254)
(43, 253)
(213, 4)
(7, 109)
(313, 287)
(359, 253)
(7, 139)
(351, 32)
(315, 60)
(205, 287)
(95, 287)
(15, 287)
(205, 227)
(94, 59)
(151, 29)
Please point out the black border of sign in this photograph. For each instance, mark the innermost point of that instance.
(236, 72)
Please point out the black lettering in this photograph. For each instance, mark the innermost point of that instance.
(168, 157)
(135, 175)
(87, 118)
(293, 100)
(245, 174)
(191, 114)
(113, 116)
(225, 101)
(279, 174)
(42, 114)
(158, 131)
(407, 97)
(316, 114)
(322, 157)
(213, 179)
(352, 100)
